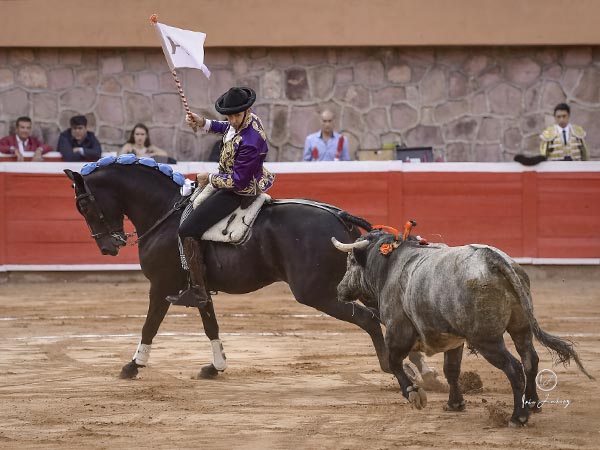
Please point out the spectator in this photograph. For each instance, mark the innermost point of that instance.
(22, 141)
(563, 141)
(326, 144)
(139, 144)
(77, 143)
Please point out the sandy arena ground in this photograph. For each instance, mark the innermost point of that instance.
(296, 379)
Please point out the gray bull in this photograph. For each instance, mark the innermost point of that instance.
(434, 298)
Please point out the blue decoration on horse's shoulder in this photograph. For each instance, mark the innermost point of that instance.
(127, 158)
(106, 161)
(178, 178)
(148, 162)
(166, 169)
(88, 168)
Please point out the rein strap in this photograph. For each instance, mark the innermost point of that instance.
(176, 207)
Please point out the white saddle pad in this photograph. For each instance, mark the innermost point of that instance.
(234, 228)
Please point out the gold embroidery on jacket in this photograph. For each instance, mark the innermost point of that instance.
(227, 161)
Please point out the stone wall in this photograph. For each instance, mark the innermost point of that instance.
(470, 104)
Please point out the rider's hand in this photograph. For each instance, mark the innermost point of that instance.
(202, 179)
(194, 120)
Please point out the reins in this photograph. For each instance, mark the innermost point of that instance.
(176, 207)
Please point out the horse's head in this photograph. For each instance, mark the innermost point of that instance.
(102, 214)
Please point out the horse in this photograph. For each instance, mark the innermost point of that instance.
(289, 241)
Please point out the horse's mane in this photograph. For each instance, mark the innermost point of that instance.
(129, 159)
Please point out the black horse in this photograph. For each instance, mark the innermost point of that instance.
(289, 242)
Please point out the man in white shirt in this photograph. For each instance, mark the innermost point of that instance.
(326, 144)
(22, 141)
(563, 141)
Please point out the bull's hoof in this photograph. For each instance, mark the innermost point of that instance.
(513, 424)
(533, 408)
(129, 370)
(519, 422)
(207, 373)
(417, 397)
(455, 406)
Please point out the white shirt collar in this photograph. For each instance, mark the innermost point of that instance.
(566, 129)
(21, 143)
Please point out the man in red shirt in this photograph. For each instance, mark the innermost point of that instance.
(22, 141)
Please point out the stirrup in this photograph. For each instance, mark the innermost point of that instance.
(191, 298)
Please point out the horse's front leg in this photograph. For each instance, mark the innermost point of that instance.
(211, 328)
(157, 309)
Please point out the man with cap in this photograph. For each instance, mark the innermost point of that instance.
(241, 175)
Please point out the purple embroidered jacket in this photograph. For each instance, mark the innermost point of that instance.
(242, 157)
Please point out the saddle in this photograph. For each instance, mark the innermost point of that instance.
(236, 228)
(233, 229)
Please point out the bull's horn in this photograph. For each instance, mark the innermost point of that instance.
(348, 247)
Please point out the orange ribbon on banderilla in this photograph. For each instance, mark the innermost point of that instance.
(386, 249)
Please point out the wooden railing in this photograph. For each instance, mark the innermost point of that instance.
(549, 213)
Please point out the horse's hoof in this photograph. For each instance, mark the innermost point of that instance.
(455, 406)
(129, 370)
(207, 373)
(417, 397)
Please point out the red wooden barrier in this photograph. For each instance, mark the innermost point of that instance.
(534, 214)
(2, 219)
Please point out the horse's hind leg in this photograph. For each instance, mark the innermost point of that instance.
(211, 328)
(157, 309)
(354, 313)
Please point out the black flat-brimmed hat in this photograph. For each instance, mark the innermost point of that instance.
(235, 100)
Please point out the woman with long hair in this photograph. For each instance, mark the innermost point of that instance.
(139, 144)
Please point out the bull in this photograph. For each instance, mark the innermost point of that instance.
(434, 298)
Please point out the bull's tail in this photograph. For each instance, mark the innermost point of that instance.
(562, 351)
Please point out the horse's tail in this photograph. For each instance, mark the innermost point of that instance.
(354, 220)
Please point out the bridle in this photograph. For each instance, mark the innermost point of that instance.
(118, 233)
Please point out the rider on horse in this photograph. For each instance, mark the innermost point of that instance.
(241, 178)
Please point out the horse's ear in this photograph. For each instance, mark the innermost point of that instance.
(69, 173)
(76, 178)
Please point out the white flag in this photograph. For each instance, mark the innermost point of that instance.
(182, 48)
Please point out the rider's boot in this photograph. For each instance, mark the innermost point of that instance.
(195, 295)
